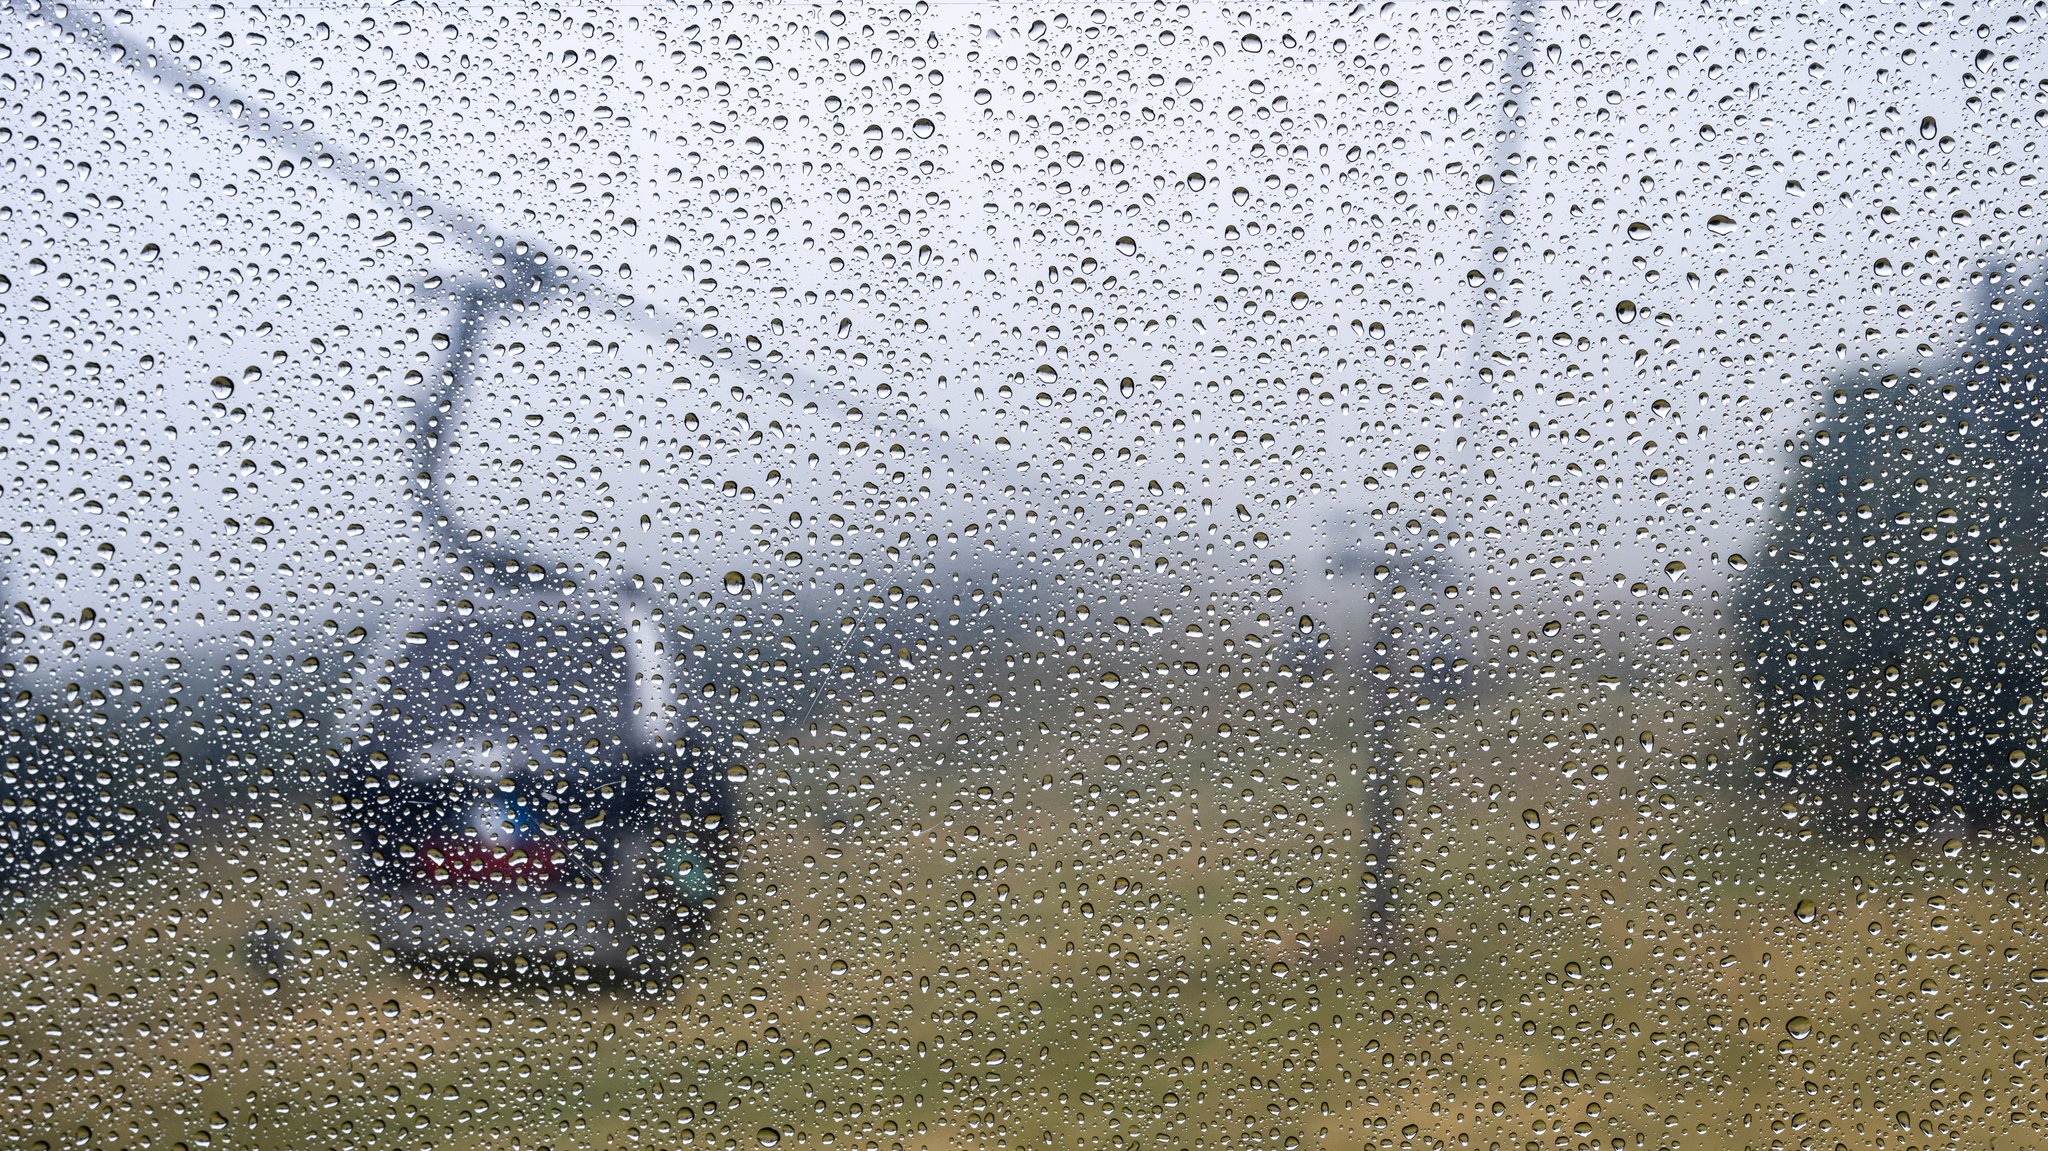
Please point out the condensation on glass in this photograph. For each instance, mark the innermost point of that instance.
(1396, 576)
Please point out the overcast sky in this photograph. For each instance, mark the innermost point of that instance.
(826, 296)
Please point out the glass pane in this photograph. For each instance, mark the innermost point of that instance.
(942, 575)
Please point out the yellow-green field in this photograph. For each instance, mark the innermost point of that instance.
(1607, 939)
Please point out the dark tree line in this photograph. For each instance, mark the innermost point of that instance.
(1896, 607)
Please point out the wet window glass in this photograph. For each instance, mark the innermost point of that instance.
(935, 575)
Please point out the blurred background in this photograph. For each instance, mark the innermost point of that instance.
(1390, 576)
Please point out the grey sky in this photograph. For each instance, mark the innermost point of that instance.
(857, 297)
